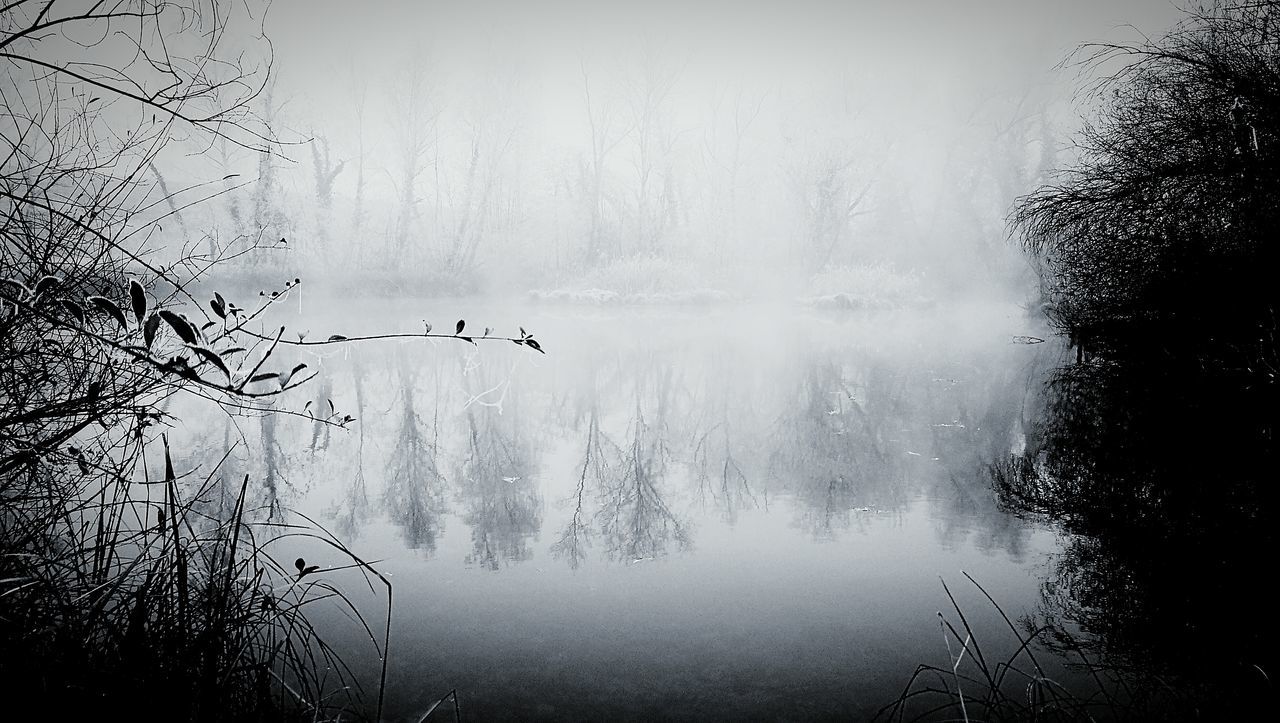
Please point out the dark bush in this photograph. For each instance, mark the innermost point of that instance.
(1160, 241)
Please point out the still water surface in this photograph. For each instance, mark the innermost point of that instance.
(721, 513)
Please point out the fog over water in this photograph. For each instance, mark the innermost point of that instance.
(725, 513)
(764, 246)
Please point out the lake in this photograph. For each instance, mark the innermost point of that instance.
(730, 512)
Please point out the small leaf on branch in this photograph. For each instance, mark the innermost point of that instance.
(109, 306)
(337, 337)
(263, 377)
(179, 325)
(285, 377)
(150, 328)
(138, 298)
(212, 357)
(530, 341)
(74, 309)
(461, 325)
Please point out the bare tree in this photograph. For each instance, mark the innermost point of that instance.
(414, 128)
(479, 204)
(656, 198)
(831, 187)
(831, 171)
(269, 217)
(607, 130)
(358, 105)
(728, 155)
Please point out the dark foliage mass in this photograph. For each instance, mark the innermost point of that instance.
(1156, 449)
(129, 587)
(1165, 485)
(1158, 244)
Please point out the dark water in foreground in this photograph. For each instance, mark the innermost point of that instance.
(697, 514)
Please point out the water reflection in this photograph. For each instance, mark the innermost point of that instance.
(548, 520)
(829, 452)
(620, 496)
(272, 464)
(599, 462)
(413, 494)
(1165, 477)
(500, 497)
(636, 520)
(352, 510)
(624, 444)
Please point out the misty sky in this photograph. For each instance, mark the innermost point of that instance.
(911, 67)
(951, 46)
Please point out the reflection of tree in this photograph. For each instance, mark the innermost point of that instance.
(273, 461)
(600, 463)
(321, 408)
(725, 482)
(218, 460)
(414, 495)
(1165, 479)
(618, 493)
(975, 414)
(229, 469)
(831, 451)
(635, 521)
(717, 461)
(503, 507)
(353, 509)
